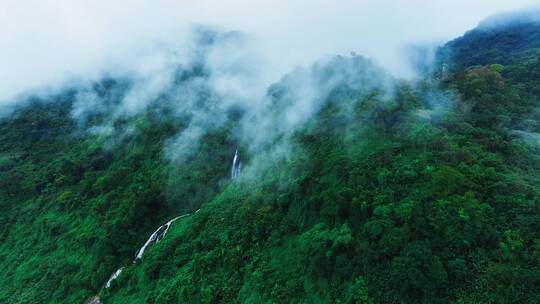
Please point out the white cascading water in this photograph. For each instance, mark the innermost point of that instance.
(236, 166)
(113, 277)
(154, 238)
(157, 235)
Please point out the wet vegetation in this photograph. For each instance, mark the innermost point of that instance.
(429, 194)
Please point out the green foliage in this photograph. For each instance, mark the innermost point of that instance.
(447, 180)
(504, 44)
(74, 210)
(373, 203)
(389, 210)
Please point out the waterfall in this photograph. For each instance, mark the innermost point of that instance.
(236, 166)
(155, 237)
(114, 276)
(94, 300)
(158, 235)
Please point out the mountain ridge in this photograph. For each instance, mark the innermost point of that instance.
(382, 191)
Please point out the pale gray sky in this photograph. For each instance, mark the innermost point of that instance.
(44, 43)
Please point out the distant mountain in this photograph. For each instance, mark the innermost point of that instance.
(502, 39)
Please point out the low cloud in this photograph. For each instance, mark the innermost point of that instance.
(207, 59)
(527, 15)
(45, 45)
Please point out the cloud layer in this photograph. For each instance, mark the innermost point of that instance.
(45, 44)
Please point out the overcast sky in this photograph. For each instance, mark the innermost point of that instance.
(44, 43)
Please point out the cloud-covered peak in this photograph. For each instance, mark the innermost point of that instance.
(522, 16)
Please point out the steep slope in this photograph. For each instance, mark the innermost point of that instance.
(372, 190)
(495, 41)
(418, 197)
(77, 206)
(373, 204)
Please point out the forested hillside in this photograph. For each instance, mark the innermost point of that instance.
(391, 191)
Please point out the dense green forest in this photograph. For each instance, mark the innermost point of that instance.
(424, 191)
